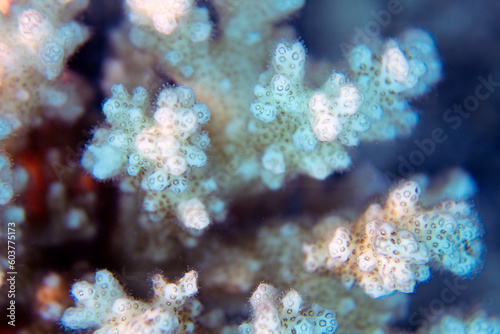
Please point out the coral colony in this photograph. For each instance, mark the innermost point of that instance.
(242, 113)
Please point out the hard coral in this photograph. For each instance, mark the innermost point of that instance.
(391, 247)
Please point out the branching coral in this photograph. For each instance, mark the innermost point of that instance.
(456, 322)
(103, 305)
(286, 315)
(35, 43)
(267, 129)
(161, 152)
(36, 40)
(391, 248)
(237, 111)
(273, 254)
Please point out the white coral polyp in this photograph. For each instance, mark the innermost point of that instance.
(104, 307)
(164, 14)
(33, 25)
(168, 147)
(266, 113)
(280, 86)
(404, 199)
(179, 7)
(292, 302)
(304, 139)
(158, 180)
(104, 161)
(145, 144)
(164, 21)
(350, 99)
(326, 127)
(165, 117)
(194, 214)
(396, 69)
(319, 103)
(273, 160)
(339, 246)
(396, 64)
(176, 165)
(200, 31)
(187, 120)
(360, 57)
(289, 60)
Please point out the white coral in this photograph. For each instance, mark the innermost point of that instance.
(394, 245)
(104, 305)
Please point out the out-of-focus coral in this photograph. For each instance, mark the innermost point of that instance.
(12, 220)
(62, 200)
(451, 184)
(6, 191)
(105, 307)
(406, 69)
(36, 40)
(273, 254)
(391, 248)
(456, 322)
(12, 181)
(51, 297)
(70, 216)
(288, 314)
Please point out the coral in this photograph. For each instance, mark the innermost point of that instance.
(455, 322)
(406, 69)
(286, 315)
(268, 128)
(135, 143)
(391, 248)
(104, 305)
(162, 152)
(12, 219)
(273, 254)
(69, 217)
(314, 127)
(230, 146)
(37, 39)
(51, 297)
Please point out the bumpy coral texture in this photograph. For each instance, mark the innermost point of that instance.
(268, 128)
(391, 247)
(35, 41)
(161, 151)
(286, 315)
(273, 254)
(105, 307)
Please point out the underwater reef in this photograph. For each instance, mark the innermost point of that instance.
(237, 166)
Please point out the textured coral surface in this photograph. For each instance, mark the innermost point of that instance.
(283, 166)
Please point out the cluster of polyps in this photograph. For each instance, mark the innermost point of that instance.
(391, 248)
